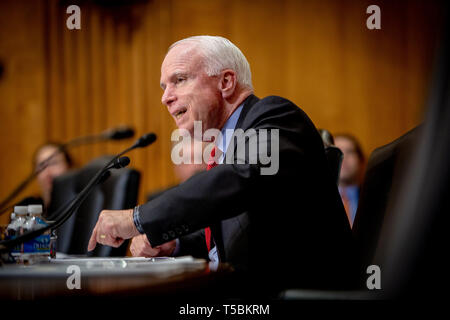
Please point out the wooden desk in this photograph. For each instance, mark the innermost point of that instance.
(108, 277)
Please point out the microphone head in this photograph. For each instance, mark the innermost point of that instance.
(123, 132)
(145, 140)
(122, 162)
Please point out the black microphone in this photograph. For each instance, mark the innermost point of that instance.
(145, 140)
(119, 133)
(66, 212)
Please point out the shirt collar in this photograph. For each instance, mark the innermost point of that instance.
(229, 125)
(350, 191)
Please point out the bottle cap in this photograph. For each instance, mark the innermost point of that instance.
(21, 210)
(35, 209)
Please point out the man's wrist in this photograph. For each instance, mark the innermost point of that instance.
(137, 220)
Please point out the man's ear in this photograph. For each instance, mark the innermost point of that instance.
(227, 83)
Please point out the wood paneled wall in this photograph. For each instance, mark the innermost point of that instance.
(60, 83)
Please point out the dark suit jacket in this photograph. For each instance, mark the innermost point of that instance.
(192, 244)
(287, 230)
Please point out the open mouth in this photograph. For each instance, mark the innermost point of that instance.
(179, 113)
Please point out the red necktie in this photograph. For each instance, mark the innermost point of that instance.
(211, 164)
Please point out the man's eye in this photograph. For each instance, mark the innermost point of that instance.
(179, 80)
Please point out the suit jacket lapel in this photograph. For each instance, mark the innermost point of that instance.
(248, 104)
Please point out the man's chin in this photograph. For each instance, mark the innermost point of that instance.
(185, 130)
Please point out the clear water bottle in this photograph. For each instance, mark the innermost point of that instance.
(15, 228)
(11, 229)
(38, 248)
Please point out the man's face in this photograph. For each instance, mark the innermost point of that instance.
(189, 93)
(351, 165)
(56, 167)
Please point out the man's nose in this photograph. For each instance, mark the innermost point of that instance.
(168, 96)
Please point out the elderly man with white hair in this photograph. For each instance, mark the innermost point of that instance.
(286, 228)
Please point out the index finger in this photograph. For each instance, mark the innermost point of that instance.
(93, 240)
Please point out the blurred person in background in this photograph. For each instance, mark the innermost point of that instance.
(352, 172)
(59, 163)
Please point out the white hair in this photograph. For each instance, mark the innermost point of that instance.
(220, 53)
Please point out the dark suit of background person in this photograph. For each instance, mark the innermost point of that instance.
(285, 230)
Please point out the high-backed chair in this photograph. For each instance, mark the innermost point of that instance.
(119, 191)
(334, 154)
(414, 241)
(334, 157)
(384, 171)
